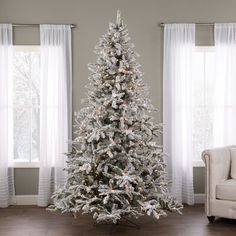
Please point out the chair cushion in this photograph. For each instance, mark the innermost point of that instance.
(226, 190)
(233, 162)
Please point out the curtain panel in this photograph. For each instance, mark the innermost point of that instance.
(179, 42)
(7, 191)
(224, 127)
(55, 108)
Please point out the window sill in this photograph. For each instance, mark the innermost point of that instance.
(26, 165)
(199, 163)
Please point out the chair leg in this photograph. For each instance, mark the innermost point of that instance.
(211, 218)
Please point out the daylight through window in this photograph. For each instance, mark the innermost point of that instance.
(26, 103)
(203, 104)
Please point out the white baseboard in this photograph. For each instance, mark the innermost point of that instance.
(199, 198)
(26, 199)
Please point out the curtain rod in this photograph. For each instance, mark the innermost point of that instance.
(36, 25)
(162, 24)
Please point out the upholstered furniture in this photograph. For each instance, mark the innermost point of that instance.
(220, 182)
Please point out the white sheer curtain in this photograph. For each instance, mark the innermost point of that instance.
(55, 106)
(224, 128)
(7, 192)
(179, 42)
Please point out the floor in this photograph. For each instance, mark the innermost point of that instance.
(33, 221)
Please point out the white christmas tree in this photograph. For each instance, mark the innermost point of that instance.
(116, 167)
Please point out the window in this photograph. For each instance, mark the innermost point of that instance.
(26, 104)
(203, 89)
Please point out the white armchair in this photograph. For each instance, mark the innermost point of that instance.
(220, 182)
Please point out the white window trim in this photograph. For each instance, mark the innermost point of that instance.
(26, 164)
(26, 48)
(198, 163)
(18, 164)
(204, 48)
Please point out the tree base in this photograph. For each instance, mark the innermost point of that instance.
(123, 222)
(211, 219)
(128, 223)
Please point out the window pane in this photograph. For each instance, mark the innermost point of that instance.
(203, 106)
(26, 101)
(22, 134)
(198, 79)
(202, 131)
(35, 141)
(21, 81)
(210, 77)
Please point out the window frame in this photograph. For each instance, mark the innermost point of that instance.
(30, 163)
(33, 164)
(200, 163)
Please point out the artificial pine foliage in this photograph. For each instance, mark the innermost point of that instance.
(116, 167)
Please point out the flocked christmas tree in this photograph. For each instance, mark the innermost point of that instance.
(116, 167)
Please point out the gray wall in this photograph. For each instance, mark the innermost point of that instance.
(26, 180)
(91, 18)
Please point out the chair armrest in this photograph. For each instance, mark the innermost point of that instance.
(217, 162)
